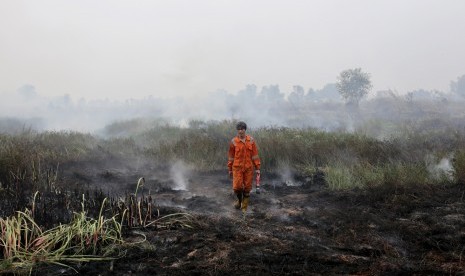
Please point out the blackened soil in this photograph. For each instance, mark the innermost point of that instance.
(296, 228)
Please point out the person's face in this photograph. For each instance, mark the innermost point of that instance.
(241, 133)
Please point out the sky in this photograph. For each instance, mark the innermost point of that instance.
(114, 49)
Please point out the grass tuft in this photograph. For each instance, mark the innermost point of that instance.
(24, 245)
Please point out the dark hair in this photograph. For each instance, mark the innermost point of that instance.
(241, 125)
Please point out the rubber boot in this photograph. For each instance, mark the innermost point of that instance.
(238, 202)
(245, 203)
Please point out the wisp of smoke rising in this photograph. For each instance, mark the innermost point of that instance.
(443, 168)
(287, 176)
(178, 173)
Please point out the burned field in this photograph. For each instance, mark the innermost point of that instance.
(302, 230)
(299, 228)
(161, 202)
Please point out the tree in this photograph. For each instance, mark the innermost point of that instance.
(271, 95)
(353, 85)
(296, 97)
(249, 93)
(458, 87)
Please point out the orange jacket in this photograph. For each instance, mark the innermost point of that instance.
(243, 155)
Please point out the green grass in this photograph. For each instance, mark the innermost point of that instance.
(24, 245)
(340, 178)
(34, 158)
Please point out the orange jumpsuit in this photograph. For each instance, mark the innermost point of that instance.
(242, 158)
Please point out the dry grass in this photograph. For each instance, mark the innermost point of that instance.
(31, 160)
(25, 245)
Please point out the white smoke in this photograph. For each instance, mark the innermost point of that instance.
(179, 173)
(287, 175)
(263, 107)
(442, 169)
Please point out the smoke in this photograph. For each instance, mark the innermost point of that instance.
(439, 170)
(179, 173)
(442, 169)
(287, 176)
(268, 106)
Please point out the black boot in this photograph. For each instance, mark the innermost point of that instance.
(238, 202)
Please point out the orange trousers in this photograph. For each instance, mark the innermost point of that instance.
(242, 181)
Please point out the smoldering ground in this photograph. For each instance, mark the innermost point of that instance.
(292, 229)
(296, 225)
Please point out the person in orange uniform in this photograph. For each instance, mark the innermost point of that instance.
(243, 159)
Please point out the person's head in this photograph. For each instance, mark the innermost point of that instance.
(241, 128)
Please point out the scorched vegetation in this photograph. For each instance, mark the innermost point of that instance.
(69, 198)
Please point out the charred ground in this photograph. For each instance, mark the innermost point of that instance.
(296, 227)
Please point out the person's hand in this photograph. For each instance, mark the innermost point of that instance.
(230, 174)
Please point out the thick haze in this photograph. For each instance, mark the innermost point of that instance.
(135, 49)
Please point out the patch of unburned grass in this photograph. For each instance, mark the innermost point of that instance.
(341, 178)
(394, 174)
(24, 244)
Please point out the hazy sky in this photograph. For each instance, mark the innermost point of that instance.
(123, 49)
